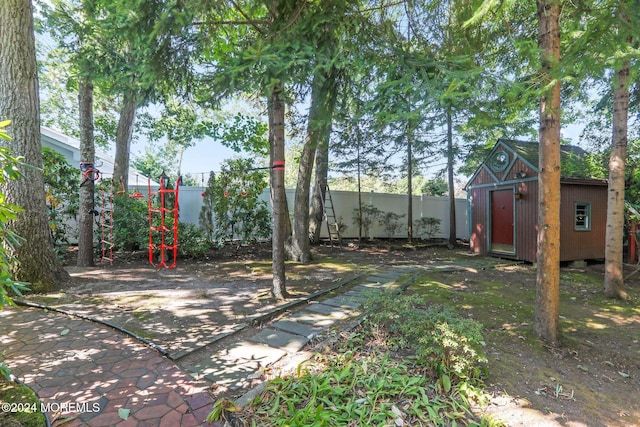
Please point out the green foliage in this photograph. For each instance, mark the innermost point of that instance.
(444, 342)
(427, 227)
(192, 241)
(61, 183)
(130, 223)
(8, 239)
(205, 218)
(390, 221)
(372, 378)
(435, 187)
(369, 216)
(154, 160)
(30, 416)
(238, 211)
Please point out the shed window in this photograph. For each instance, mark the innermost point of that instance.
(583, 216)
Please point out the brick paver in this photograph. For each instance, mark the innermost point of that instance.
(86, 373)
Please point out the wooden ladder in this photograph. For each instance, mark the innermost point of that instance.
(333, 228)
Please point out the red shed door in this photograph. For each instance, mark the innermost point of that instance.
(502, 237)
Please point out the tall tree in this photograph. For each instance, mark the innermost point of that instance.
(87, 158)
(613, 273)
(278, 201)
(547, 320)
(19, 102)
(252, 46)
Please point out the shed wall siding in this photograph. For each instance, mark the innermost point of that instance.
(583, 244)
(527, 222)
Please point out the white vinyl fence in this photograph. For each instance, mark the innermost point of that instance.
(346, 202)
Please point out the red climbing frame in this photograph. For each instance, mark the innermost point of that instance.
(165, 233)
(106, 225)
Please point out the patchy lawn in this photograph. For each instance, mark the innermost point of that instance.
(592, 379)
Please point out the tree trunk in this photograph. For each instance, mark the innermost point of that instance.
(613, 273)
(87, 155)
(410, 184)
(324, 119)
(546, 322)
(19, 103)
(316, 210)
(452, 191)
(123, 140)
(279, 209)
(318, 131)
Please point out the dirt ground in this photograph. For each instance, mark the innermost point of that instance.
(592, 379)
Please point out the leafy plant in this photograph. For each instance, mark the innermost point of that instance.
(373, 378)
(192, 242)
(390, 221)
(238, 211)
(61, 182)
(444, 342)
(130, 219)
(8, 239)
(427, 227)
(369, 215)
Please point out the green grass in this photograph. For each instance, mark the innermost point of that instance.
(411, 362)
(25, 399)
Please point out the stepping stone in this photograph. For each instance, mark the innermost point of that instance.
(280, 339)
(328, 310)
(379, 277)
(343, 302)
(371, 285)
(356, 294)
(315, 319)
(233, 366)
(368, 290)
(297, 328)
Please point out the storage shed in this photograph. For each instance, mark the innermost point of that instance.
(503, 204)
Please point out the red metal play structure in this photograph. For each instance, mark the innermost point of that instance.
(166, 237)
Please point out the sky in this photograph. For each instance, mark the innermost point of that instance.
(207, 155)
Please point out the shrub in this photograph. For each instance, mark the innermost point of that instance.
(130, 220)
(238, 211)
(8, 239)
(427, 227)
(61, 183)
(445, 342)
(369, 216)
(390, 221)
(192, 241)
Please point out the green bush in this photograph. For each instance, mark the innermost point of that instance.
(8, 239)
(390, 221)
(130, 222)
(427, 227)
(444, 342)
(237, 210)
(192, 241)
(61, 183)
(369, 216)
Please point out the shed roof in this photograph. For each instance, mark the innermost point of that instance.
(570, 155)
(573, 160)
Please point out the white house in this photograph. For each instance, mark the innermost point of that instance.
(70, 148)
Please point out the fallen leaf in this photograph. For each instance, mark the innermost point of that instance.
(123, 413)
(64, 332)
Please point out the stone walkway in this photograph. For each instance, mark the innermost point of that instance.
(92, 375)
(244, 360)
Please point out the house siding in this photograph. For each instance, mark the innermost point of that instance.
(583, 244)
(574, 244)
